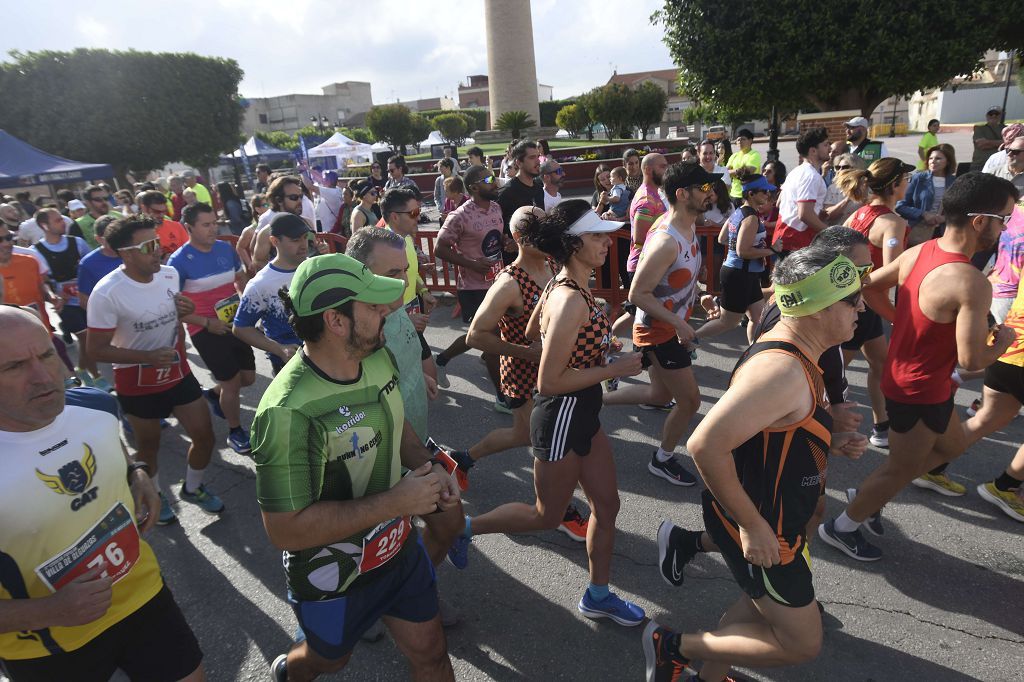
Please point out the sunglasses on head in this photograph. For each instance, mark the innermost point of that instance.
(293, 197)
(146, 248)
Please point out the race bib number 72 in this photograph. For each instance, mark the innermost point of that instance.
(112, 544)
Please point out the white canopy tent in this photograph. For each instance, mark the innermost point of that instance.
(342, 148)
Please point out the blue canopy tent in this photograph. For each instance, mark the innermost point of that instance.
(258, 151)
(22, 165)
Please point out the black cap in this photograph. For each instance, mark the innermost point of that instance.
(745, 132)
(288, 225)
(364, 188)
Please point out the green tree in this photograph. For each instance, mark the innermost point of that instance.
(279, 139)
(573, 119)
(649, 103)
(421, 128)
(180, 107)
(358, 134)
(453, 127)
(610, 105)
(392, 123)
(838, 54)
(515, 122)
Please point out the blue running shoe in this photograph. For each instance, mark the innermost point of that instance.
(239, 441)
(167, 515)
(214, 400)
(621, 611)
(458, 555)
(202, 498)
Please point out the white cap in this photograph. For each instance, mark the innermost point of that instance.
(591, 222)
(858, 122)
(75, 205)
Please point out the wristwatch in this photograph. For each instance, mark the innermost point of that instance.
(135, 466)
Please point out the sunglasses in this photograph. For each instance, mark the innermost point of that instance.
(7, 238)
(1004, 218)
(864, 270)
(706, 187)
(558, 171)
(292, 197)
(844, 167)
(853, 300)
(97, 198)
(489, 180)
(146, 248)
(1013, 152)
(415, 213)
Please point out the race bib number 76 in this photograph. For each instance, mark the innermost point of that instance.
(112, 544)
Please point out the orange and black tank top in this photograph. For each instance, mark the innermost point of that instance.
(783, 469)
(595, 335)
(518, 377)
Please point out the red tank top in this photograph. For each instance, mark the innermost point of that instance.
(922, 353)
(863, 219)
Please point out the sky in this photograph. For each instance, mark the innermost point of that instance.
(298, 46)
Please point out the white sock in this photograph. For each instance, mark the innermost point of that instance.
(156, 483)
(957, 379)
(663, 456)
(844, 524)
(193, 478)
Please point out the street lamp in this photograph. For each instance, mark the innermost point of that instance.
(320, 121)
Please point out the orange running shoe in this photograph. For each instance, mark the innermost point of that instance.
(574, 525)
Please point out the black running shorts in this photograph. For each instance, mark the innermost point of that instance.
(469, 302)
(565, 423)
(153, 644)
(903, 416)
(789, 584)
(670, 354)
(869, 326)
(1006, 378)
(160, 405)
(225, 355)
(740, 289)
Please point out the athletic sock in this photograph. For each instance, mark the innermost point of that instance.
(468, 530)
(463, 459)
(598, 592)
(440, 360)
(663, 456)
(193, 479)
(882, 426)
(939, 470)
(1007, 483)
(237, 429)
(844, 524)
(693, 540)
(674, 643)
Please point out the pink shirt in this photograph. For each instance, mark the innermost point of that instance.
(475, 233)
(645, 208)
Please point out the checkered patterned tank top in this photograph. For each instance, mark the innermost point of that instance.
(595, 335)
(518, 377)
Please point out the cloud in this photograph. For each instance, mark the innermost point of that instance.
(404, 49)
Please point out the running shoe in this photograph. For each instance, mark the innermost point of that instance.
(873, 524)
(940, 483)
(972, 411)
(574, 525)
(880, 439)
(279, 668)
(852, 544)
(458, 555)
(675, 550)
(102, 384)
(619, 610)
(239, 441)
(446, 460)
(1006, 500)
(214, 399)
(442, 376)
(500, 406)
(667, 407)
(167, 515)
(663, 664)
(202, 498)
(671, 470)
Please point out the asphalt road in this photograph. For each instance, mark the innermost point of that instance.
(944, 603)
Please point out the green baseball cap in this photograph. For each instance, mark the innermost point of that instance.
(327, 281)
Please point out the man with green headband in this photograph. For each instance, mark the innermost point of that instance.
(330, 440)
(760, 498)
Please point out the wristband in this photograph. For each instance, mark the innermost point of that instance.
(135, 466)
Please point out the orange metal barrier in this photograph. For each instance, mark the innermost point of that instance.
(335, 242)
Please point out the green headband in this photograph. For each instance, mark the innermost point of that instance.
(832, 283)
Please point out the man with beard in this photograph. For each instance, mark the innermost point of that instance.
(551, 174)
(330, 439)
(472, 239)
(665, 291)
(285, 197)
(857, 138)
(525, 189)
(940, 320)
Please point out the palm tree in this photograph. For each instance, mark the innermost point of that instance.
(514, 122)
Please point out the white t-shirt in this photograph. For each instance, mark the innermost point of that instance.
(143, 316)
(804, 183)
(328, 205)
(551, 201)
(996, 161)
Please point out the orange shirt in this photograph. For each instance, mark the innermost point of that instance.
(173, 236)
(21, 283)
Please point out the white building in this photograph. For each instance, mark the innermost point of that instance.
(338, 103)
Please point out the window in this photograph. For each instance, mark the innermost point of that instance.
(263, 119)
